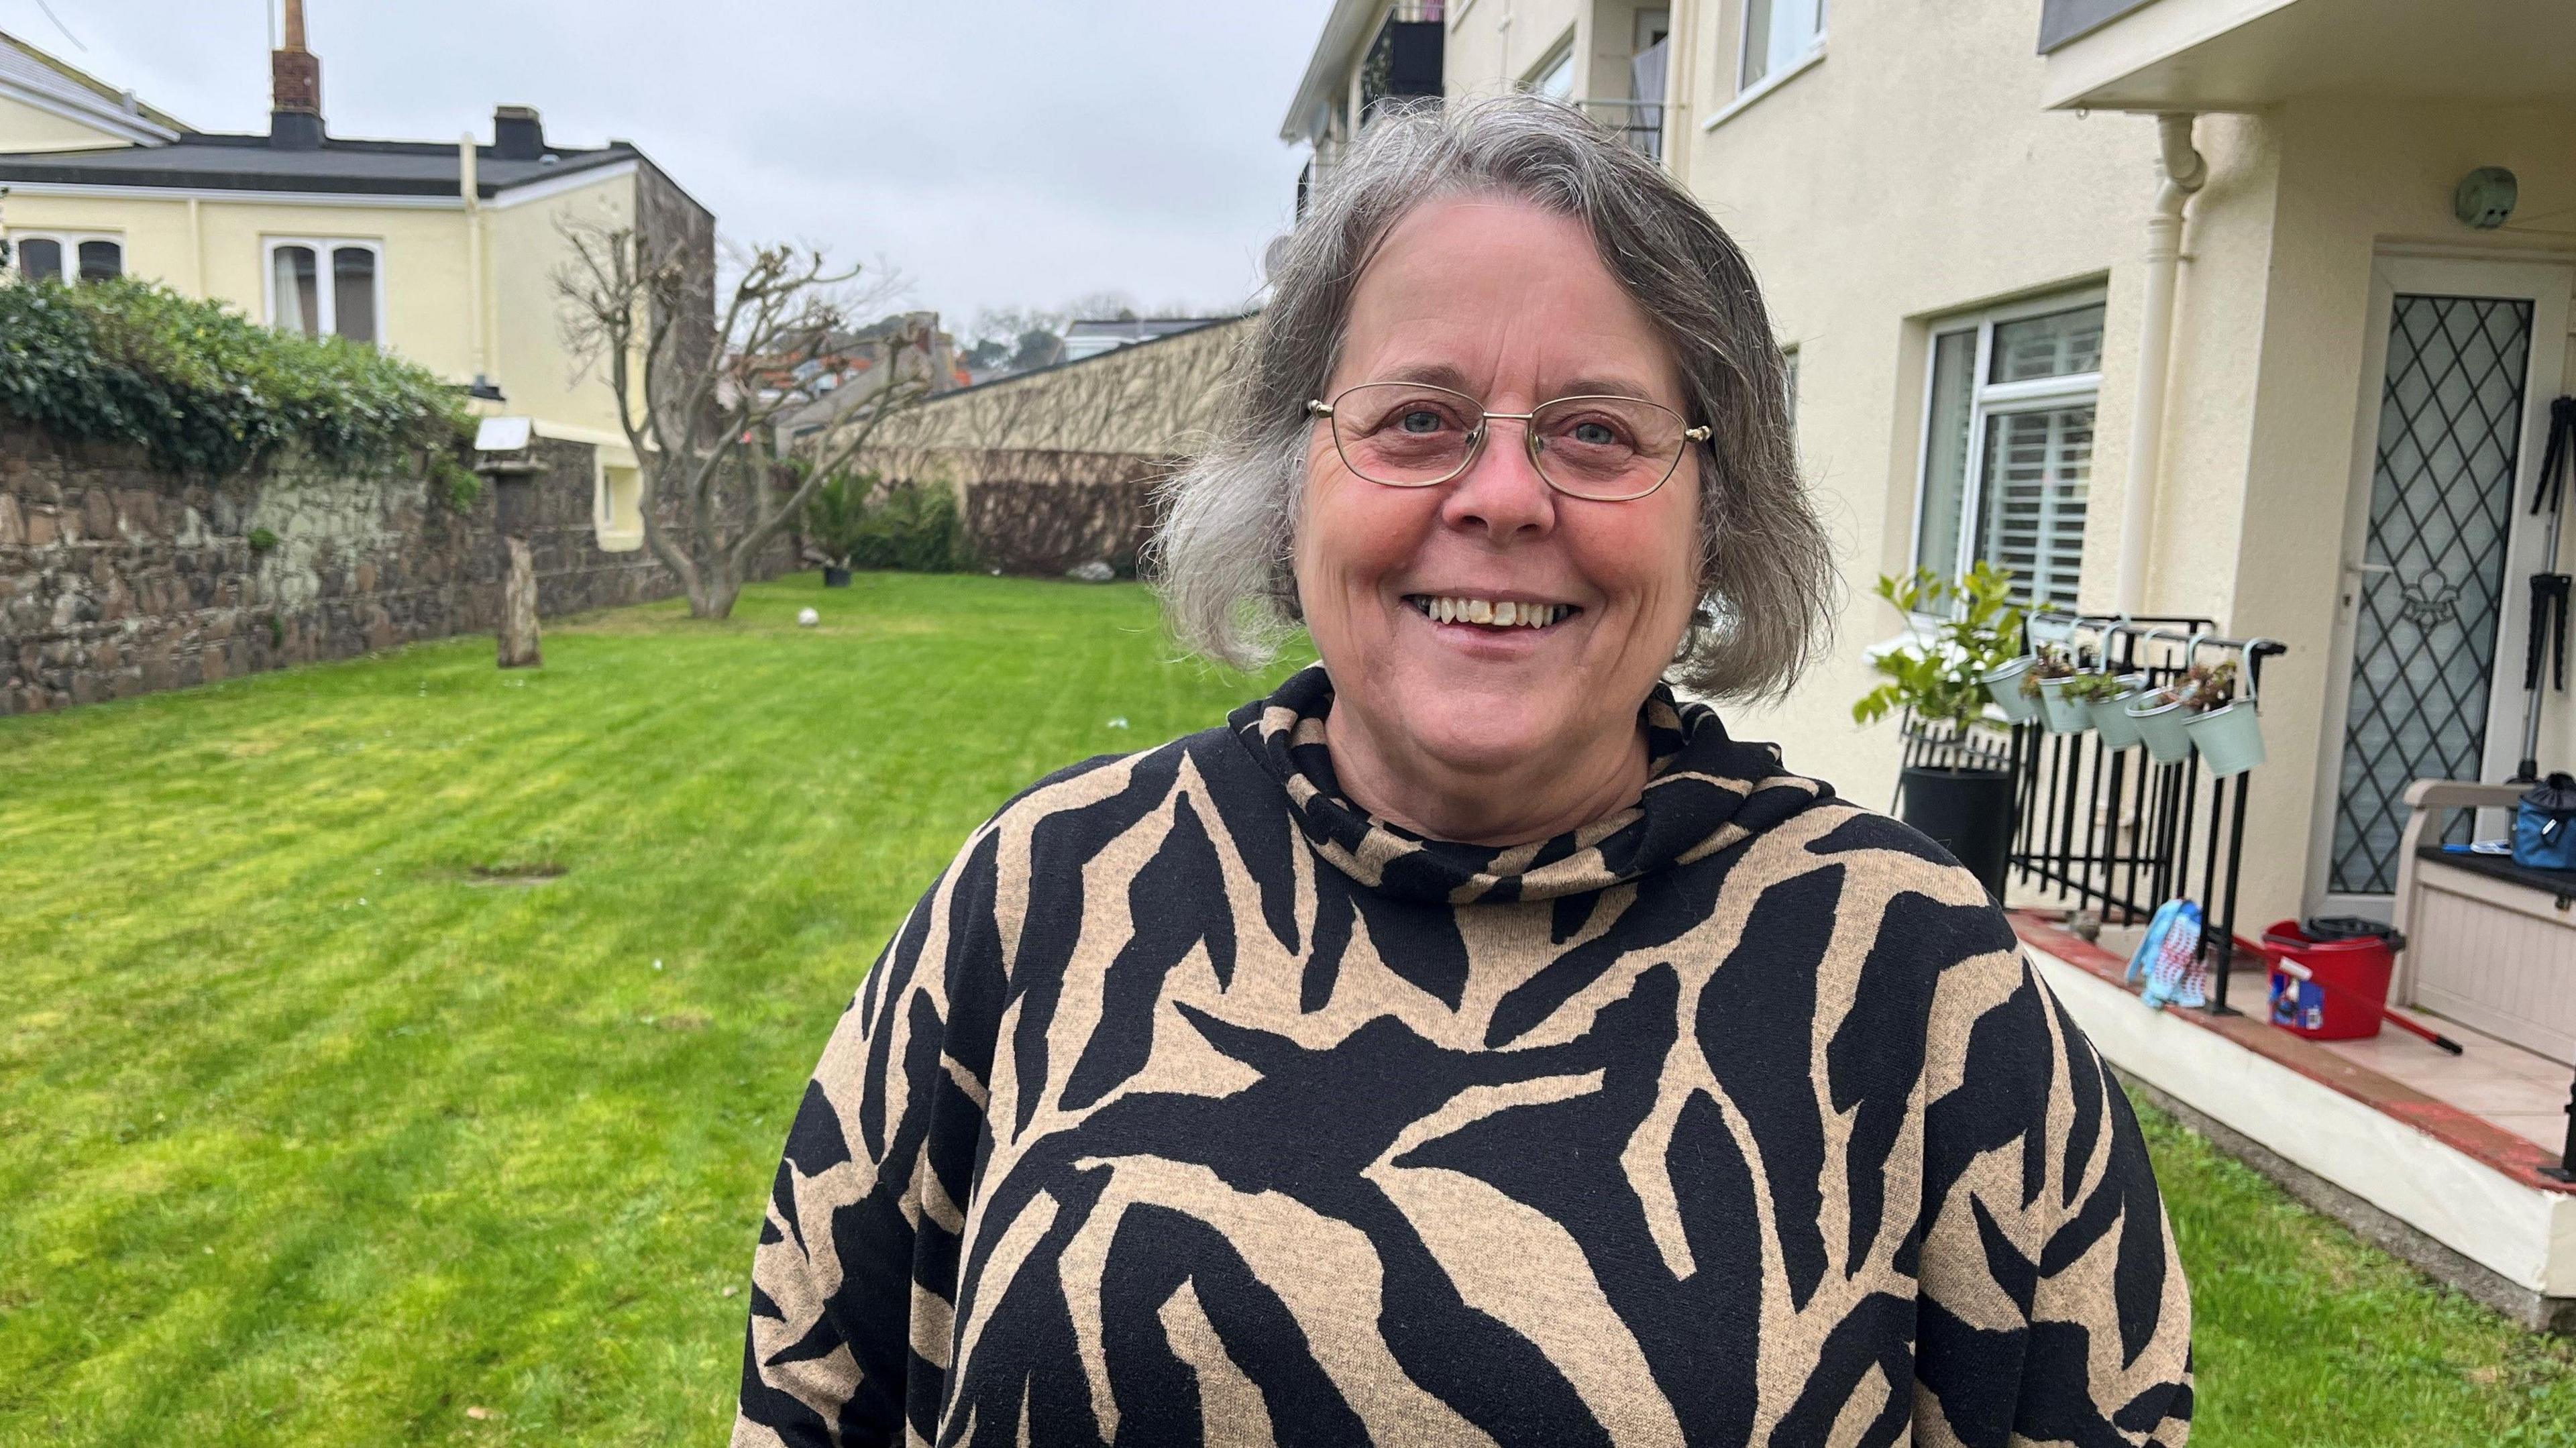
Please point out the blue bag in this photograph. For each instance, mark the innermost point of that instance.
(2544, 825)
(2168, 956)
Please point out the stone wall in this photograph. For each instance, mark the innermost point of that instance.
(1044, 525)
(117, 579)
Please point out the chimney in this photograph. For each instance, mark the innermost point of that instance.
(295, 80)
(517, 134)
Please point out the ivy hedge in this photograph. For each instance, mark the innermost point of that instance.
(205, 390)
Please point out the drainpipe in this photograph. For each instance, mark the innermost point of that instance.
(2184, 172)
(478, 345)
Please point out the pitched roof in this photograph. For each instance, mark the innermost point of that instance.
(199, 161)
(38, 76)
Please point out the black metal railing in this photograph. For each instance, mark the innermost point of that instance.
(1640, 124)
(2112, 830)
(1404, 62)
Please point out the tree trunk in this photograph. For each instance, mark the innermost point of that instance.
(717, 589)
(519, 607)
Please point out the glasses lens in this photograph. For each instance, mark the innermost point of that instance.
(1404, 434)
(1606, 447)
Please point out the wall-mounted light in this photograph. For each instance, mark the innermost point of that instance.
(2485, 198)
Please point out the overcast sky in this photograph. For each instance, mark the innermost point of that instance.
(1017, 152)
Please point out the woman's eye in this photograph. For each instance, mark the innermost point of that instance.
(1422, 419)
(1594, 434)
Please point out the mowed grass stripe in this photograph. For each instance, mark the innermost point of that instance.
(284, 1168)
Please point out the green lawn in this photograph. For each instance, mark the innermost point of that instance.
(313, 1132)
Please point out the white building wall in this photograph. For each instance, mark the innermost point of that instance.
(1910, 175)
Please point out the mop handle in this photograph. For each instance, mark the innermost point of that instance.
(2296, 971)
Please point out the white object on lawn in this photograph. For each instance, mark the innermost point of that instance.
(807, 618)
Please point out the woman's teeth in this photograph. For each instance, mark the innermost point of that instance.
(1492, 614)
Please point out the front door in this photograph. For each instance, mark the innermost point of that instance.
(2437, 553)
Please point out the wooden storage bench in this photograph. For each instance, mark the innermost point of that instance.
(2489, 943)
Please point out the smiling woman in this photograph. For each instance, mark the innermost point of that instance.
(1471, 1042)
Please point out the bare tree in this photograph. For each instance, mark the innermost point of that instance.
(703, 419)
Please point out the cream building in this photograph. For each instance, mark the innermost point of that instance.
(2318, 420)
(443, 251)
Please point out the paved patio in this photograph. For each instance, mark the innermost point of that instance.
(2436, 1157)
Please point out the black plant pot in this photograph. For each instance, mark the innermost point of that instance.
(1968, 812)
(835, 577)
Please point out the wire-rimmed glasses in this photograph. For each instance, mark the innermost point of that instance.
(1415, 435)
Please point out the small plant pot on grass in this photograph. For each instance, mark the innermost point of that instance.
(835, 577)
(2004, 684)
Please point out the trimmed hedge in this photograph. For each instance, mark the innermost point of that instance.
(205, 390)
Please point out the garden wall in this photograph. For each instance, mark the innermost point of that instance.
(1040, 511)
(118, 579)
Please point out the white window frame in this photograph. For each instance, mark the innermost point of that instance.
(603, 516)
(325, 305)
(1792, 358)
(1559, 54)
(1772, 75)
(1987, 400)
(1747, 92)
(70, 242)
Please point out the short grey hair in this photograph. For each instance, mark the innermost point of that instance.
(1222, 551)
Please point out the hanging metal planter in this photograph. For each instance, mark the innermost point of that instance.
(2004, 683)
(2160, 727)
(2230, 737)
(2111, 716)
(2065, 715)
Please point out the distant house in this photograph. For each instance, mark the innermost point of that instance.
(1091, 338)
(853, 366)
(444, 251)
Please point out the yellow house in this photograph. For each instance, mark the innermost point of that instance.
(2232, 243)
(2244, 319)
(443, 251)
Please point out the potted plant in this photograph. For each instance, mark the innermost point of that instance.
(1941, 677)
(2008, 684)
(836, 520)
(2163, 715)
(2051, 670)
(2104, 696)
(2221, 726)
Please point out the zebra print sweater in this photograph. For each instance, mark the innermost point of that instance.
(1193, 1105)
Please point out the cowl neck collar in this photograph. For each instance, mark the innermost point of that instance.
(1704, 792)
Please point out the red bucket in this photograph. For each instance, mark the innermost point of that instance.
(2348, 963)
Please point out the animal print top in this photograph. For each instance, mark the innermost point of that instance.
(1194, 1106)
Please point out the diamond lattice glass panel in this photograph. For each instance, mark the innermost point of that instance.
(2441, 515)
(2030, 502)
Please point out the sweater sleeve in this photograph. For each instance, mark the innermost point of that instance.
(2053, 1307)
(849, 1292)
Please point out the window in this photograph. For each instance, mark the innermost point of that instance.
(325, 288)
(1554, 76)
(67, 256)
(617, 514)
(1789, 386)
(1778, 34)
(2008, 446)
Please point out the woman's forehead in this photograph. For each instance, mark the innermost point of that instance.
(1477, 291)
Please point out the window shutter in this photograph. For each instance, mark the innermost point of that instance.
(2039, 467)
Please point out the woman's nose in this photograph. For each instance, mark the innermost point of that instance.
(1501, 491)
